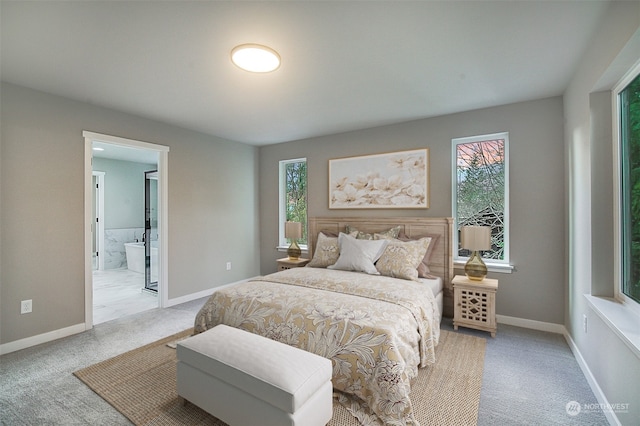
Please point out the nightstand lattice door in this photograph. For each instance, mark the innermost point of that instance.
(475, 306)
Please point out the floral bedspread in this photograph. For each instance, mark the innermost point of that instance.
(376, 330)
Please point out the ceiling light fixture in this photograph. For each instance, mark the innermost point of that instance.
(255, 58)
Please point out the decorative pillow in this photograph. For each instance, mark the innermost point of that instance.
(388, 234)
(359, 255)
(402, 258)
(423, 268)
(326, 253)
(331, 234)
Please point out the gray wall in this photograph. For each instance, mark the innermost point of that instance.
(214, 202)
(213, 207)
(123, 192)
(536, 290)
(590, 188)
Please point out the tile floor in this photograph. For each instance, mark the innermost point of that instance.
(118, 293)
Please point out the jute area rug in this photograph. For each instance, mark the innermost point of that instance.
(141, 384)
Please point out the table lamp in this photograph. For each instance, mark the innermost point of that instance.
(475, 238)
(293, 231)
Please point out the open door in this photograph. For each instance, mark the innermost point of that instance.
(151, 230)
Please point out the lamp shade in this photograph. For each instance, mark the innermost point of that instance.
(475, 237)
(293, 230)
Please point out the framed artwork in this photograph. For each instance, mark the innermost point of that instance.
(396, 180)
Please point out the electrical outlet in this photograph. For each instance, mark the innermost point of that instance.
(584, 322)
(228, 266)
(26, 306)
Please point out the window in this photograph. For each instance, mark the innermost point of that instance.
(293, 197)
(481, 193)
(628, 111)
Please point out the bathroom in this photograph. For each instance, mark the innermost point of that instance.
(126, 212)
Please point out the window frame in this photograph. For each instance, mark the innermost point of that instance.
(618, 293)
(282, 210)
(493, 265)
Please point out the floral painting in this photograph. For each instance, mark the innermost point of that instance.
(381, 181)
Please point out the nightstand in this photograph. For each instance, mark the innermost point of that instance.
(474, 304)
(286, 263)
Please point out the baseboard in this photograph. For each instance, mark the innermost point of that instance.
(593, 383)
(201, 294)
(79, 328)
(532, 324)
(561, 329)
(27, 342)
(190, 297)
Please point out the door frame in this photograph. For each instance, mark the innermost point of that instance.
(148, 264)
(163, 219)
(99, 229)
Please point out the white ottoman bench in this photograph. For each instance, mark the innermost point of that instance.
(248, 380)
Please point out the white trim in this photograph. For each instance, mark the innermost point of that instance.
(591, 380)
(100, 213)
(203, 293)
(282, 191)
(454, 185)
(189, 297)
(491, 267)
(617, 189)
(116, 140)
(163, 227)
(88, 245)
(627, 78)
(561, 329)
(617, 199)
(282, 214)
(532, 324)
(163, 219)
(303, 247)
(50, 336)
(620, 317)
(27, 342)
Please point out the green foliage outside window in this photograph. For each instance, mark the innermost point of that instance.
(630, 144)
(296, 195)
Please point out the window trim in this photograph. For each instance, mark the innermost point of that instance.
(618, 295)
(282, 211)
(493, 265)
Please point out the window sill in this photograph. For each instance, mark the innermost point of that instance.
(491, 267)
(284, 249)
(620, 317)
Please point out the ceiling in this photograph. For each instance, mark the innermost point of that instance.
(345, 65)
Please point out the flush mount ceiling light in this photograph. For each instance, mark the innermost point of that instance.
(255, 58)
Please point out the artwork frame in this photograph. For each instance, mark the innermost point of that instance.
(394, 180)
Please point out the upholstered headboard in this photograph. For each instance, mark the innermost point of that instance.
(441, 260)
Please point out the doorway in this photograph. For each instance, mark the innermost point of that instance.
(124, 151)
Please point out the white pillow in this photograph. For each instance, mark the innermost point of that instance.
(359, 255)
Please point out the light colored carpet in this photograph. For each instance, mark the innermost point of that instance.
(141, 384)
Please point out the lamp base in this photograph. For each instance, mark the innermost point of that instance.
(294, 251)
(475, 268)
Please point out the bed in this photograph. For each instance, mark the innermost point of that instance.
(378, 330)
